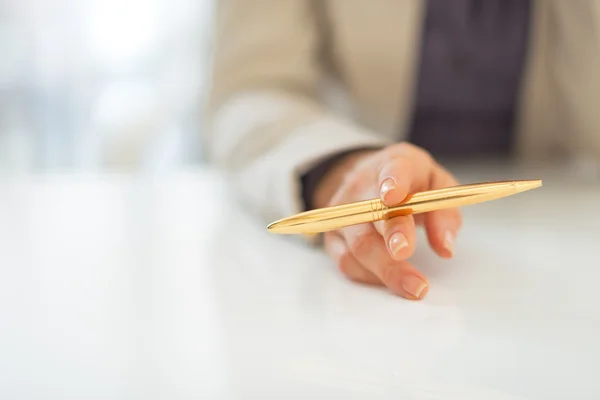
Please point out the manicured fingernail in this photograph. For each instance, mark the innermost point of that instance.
(397, 242)
(449, 241)
(387, 186)
(414, 285)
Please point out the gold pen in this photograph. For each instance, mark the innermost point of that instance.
(336, 217)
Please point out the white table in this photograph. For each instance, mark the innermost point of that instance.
(117, 287)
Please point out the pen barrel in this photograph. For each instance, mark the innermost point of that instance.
(349, 214)
(378, 210)
(335, 217)
(433, 201)
(340, 216)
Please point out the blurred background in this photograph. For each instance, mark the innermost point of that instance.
(109, 84)
(101, 84)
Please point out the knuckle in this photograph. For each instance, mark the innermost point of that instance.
(399, 151)
(405, 147)
(413, 151)
(425, 156)
(394, 164)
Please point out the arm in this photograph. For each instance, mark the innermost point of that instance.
(267, 126)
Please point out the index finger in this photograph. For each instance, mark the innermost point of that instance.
(408, 169)
(404, 169)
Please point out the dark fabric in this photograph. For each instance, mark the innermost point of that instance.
(470, 73)
(469, 76)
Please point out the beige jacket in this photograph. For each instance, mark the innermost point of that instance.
(271, 116)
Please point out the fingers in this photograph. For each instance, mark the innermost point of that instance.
(442, 226)
(406, 169)
(395, 180)
(404, 279)
(377, 253)
(399, 235)
(360, 187)
(369, 249)
(346, 262)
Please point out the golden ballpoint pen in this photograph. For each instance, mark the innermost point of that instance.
(340, 216)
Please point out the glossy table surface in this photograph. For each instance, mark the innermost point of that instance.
(122, 287)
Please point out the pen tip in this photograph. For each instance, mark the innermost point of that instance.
(524, 186)
(286, 226)
(276, 227)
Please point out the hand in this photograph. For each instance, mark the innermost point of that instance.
(378, 253)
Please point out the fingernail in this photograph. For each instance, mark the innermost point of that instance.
(449, 241)
(414, 285)
(397, 242)
(387, 186)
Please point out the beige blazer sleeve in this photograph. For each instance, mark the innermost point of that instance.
(267, 125)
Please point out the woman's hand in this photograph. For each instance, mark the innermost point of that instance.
(378, 253)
